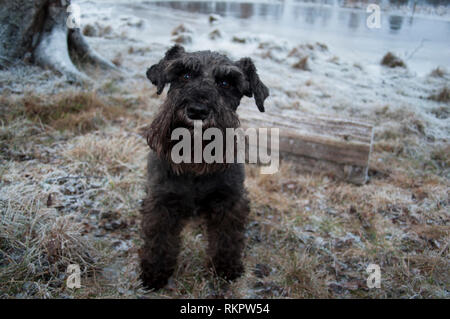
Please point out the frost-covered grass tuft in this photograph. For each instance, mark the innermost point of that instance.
(443, 95)
(392, 61)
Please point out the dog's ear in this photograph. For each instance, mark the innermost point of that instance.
(255, 87)
(157, 72)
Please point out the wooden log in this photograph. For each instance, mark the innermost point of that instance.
(319, 144)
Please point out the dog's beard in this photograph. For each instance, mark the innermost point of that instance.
(166, 121)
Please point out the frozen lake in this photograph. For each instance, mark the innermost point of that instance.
(423, 41)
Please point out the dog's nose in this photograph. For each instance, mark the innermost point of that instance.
(197, 112)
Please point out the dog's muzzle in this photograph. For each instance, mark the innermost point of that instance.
(197, 111)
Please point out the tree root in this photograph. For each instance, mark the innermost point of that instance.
(53, 53)
(78, 44)
(37, 31)
(5, 62)
(55, 42)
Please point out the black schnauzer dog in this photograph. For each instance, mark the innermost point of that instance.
(204, 86)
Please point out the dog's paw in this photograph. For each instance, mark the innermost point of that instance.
(229, 271)
(150, 281)
(154, 277)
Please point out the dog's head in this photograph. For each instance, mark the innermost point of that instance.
(205, 86)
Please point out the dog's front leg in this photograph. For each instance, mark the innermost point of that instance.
(161, 228)
(226, 236)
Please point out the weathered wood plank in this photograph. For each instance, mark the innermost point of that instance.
(319, 144)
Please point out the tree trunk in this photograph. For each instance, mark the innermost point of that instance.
(37, 31)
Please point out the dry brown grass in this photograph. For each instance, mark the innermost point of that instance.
(392, 61)
(113, 154)
(438, 72)
(302, 64)
(76, 111)
(89, 30)
(37, 244)
(118, 60)
(443, 95)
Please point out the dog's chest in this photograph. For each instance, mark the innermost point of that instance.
(203, 187)
(203, 192)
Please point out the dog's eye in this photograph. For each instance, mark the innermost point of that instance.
(224, 84)
(187, 76)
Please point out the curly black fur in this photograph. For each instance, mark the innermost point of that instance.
(205, 86)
